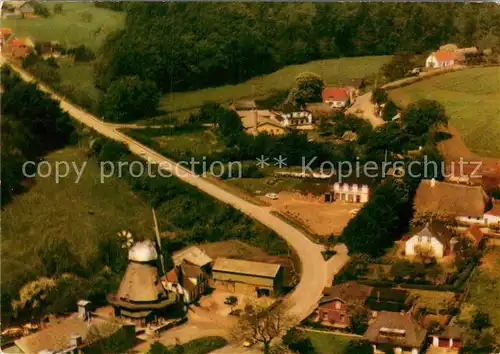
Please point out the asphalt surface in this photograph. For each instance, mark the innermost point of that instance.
(314, 270)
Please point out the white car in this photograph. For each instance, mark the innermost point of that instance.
(272, 196)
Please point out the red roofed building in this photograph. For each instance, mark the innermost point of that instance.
(476, 234)
(5, 34)
(17, 48)
(441, 59)
(336, 97)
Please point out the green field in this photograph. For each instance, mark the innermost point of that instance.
(325, 343)
(333, 72)
(471, 98)
(72, 27)
(83, 213)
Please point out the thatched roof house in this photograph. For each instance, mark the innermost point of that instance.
(450, 199)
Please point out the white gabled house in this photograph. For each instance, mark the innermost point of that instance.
(434, 237)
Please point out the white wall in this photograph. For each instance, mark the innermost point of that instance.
(435, 245)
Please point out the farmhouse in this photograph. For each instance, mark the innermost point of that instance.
(446, 57)
(141, 296)
(193, 255)
(237, 275)
(18, 48)
(294, 118)
(395, 331)
(75, 334)
(336, 97)
(260, 121)
(450, 337)
(18, 9)
(186, 279)
(464, 202)
(334, 308)
(433, 237)
(243, 105)
(351, 192)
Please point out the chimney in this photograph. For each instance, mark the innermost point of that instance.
(255, 120)
(433, 182)
(75, 340)
(83, 309)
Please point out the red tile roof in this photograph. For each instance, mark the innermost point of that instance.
(445, 56)
(172, 276)
(5, 31)
(335, 94)
(475, 231)
(17, 43)
(495, 210)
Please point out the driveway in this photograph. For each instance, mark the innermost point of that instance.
(363, 107)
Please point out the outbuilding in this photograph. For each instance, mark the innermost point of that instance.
(238, 275)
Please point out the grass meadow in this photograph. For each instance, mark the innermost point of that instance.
(471, 98)
(326, 343)
(333, 72)
(83, 213)
(79, 23)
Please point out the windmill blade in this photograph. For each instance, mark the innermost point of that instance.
(158, 240)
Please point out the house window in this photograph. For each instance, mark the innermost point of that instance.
(428, 240)
(419, 239)
(337, 305)
(342, 318)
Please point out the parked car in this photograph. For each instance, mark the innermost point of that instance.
(249, 342)
(272, 196)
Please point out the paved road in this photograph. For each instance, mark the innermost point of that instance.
(364, 107)
(314, 277)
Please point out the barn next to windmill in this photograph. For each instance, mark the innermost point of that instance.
(141, 297)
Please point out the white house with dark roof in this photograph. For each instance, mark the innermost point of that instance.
(434, 237)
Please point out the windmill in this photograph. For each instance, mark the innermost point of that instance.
(127, 236)
(158, 241)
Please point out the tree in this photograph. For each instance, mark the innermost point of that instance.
(296, 340)
(400, 64)
(357, 266)
(379, 96)
(40, 9)
(385, 215)
(358, 347)
(309, 87)
(57, 258)
(359, 318)
(130, 98)
(480, 321)
(390, 111)
(465, 253)
(262, 323)
(229, 126)
(58, 8)
(423, 115)
(82, 53)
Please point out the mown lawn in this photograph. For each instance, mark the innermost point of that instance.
(325, 343)
(333, 71)
(83, 213)
(72, 27)
(471, 98)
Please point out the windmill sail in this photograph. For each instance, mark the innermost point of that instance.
(158, 241)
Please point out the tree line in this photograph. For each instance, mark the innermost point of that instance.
(185, 46)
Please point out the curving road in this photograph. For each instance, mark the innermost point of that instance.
(315, 271)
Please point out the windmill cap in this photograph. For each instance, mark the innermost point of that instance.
(144, 251)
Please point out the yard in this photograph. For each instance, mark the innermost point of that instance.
(326, 343)
(471, 100)
(434, 301)
(83, 213)
(79, 23)
(333, 72)
(485, 287)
